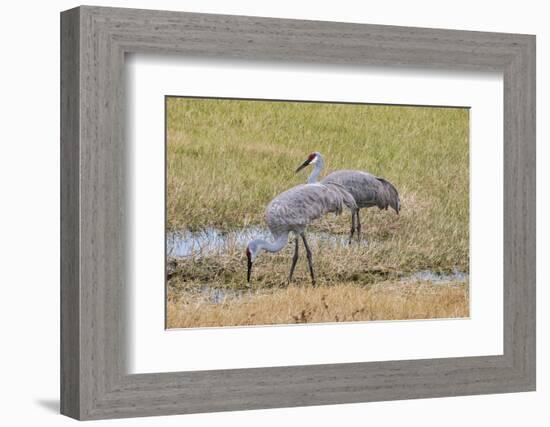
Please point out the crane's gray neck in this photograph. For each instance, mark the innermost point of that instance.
(318, 167)
(276, 246)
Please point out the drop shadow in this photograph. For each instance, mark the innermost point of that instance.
(51, 405)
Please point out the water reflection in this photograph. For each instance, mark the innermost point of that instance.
(436, 277)
(212, 241)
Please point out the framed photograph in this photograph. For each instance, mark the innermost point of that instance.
(261, 213)
(223, 216)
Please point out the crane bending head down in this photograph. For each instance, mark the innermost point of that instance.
(251, 253)
(291, 212)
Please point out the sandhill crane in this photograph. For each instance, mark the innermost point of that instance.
(367, 190)
(293, 210)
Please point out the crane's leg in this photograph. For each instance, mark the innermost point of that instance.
(353, 213)
(309, 259)
(294, 260)
(358, 227)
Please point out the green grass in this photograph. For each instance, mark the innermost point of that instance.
(226, 159)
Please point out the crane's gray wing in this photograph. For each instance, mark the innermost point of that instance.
(297, 207)
(367, 190)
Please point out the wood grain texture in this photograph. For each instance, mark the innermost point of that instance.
(70, 292)
(94, 267)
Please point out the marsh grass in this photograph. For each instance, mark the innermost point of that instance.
(226, 159)
(305, 304)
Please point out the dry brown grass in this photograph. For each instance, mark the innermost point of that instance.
(343, 303)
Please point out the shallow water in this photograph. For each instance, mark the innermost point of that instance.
(219, 295)
(212, 241)
(437, 277)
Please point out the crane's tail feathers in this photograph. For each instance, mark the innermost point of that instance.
(391, 197)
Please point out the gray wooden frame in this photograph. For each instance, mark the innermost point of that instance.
(94, 382)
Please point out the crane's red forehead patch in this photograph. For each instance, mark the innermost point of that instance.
(311, 156)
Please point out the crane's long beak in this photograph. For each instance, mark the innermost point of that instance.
(303, 165)
(249, 272)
